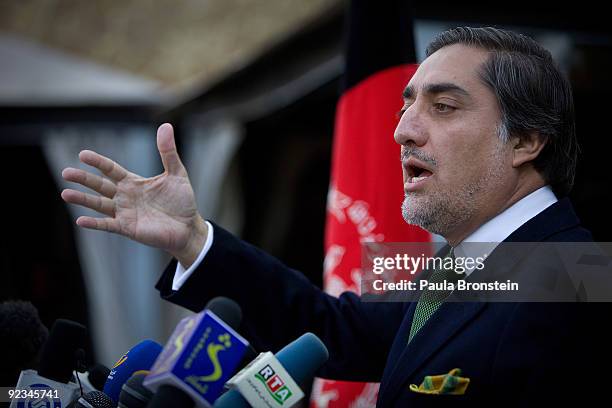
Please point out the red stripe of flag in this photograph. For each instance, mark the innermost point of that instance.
(366, 189)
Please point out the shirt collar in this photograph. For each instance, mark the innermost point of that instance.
(498, 228)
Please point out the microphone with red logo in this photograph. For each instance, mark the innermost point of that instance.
(274, 380)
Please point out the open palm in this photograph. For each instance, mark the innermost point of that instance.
(159, 211)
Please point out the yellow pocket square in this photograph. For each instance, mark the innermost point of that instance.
(444, 384)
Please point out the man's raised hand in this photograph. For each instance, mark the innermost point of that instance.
(159, 211)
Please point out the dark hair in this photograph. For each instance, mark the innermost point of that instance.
(533, 95)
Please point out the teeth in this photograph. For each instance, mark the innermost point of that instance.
(417, 179)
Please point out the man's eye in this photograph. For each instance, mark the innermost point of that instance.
(401, 112)
(443, 108)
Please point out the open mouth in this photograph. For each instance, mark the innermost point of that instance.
(416, 171)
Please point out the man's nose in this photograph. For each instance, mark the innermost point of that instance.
(411, 127)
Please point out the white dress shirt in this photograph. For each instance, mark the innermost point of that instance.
(181, 275)
(491, 232)
(498, 228)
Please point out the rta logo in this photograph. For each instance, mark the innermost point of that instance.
(274, 384)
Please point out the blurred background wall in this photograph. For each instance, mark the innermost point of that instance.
(251, 87)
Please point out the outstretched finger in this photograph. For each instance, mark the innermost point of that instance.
(97, 203)
(167, 150)
(98, 184)
(108, 167)
(100, 224)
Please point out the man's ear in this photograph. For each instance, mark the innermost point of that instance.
(527, 147)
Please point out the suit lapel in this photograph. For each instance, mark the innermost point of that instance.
(449, 320)
(445, 323)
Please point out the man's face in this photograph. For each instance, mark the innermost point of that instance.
(456, 169)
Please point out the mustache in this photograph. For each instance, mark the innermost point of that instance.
(406, 152)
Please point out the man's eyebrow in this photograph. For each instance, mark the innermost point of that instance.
(409, 91)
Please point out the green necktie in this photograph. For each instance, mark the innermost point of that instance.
(430, 301)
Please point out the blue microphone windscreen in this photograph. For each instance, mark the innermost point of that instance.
(303, 357)
(140, 357)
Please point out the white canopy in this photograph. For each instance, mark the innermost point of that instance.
(34, 75)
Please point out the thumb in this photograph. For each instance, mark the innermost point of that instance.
(167, 150)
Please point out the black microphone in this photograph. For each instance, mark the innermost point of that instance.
(133, 393)
(58, 357)
(92, 399)
(94, 378)
(97, 375)
(228, 310)
(58, 360)
(170, 396)
(22, 336)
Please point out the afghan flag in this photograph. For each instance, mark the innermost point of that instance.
(366, 188)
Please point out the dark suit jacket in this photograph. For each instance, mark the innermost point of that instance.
(513, 353)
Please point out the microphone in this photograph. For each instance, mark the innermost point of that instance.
(93, 399)
(97, 376)
(229, 311)
(94, 378)
(273, 380)
(57, 362)
(22, 336)
(140, 357)
(170, 396)
(133, 393)
(203, 352)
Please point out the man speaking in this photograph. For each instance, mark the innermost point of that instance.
(488, 154)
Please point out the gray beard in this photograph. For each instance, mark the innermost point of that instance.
(438, 214)
(442, 212)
